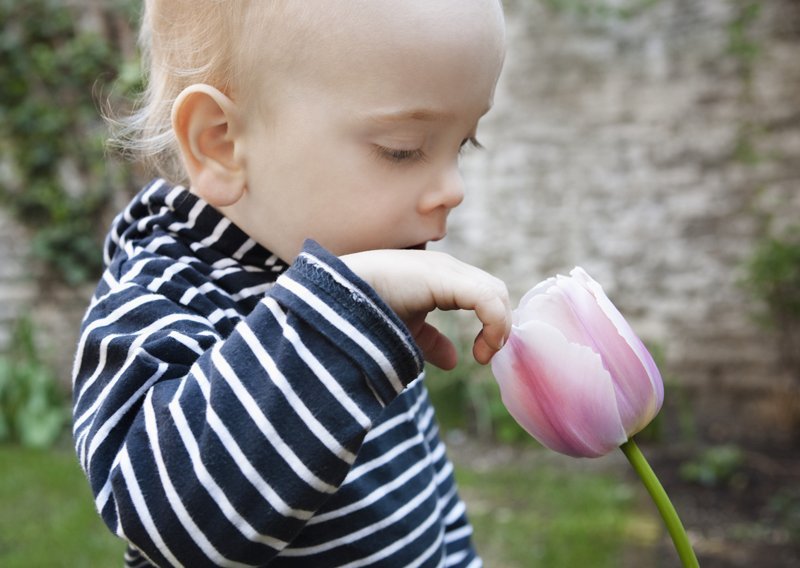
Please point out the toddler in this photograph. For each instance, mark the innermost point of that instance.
(247, 386)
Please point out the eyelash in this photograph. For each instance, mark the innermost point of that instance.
(472, 141)
(400, 156)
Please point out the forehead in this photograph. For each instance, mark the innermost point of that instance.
(385, 45)
(385, 19)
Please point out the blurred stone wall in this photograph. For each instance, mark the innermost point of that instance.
(54, 310)
(17, 288)
(25, 289)
(651, 142)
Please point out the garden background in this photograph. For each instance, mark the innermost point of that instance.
(656, 143)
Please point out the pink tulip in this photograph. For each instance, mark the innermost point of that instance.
(573, 373)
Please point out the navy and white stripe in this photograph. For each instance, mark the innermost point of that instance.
(230, 410)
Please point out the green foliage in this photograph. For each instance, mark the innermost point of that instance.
(55, 178)
(32, 410)
(715, 467)
(744, 49)
(785, 507)
(773, 276)
(677, 413)
(741, 43)
(745, 148)
(608, 10)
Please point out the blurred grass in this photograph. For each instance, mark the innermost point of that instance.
(556, 513)
(47, 515)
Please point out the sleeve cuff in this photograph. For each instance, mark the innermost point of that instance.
(321, 289)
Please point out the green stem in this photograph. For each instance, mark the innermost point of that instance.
(664, 505)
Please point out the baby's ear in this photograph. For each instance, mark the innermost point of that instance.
(207, 126)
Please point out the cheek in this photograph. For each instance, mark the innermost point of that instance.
(336, 175)
(354, 175)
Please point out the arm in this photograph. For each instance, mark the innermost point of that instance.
(209, 451)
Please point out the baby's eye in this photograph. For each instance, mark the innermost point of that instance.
(395, 155)
(472, 141)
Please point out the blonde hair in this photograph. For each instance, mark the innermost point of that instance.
(184, 42)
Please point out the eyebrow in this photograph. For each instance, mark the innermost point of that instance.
(421, 114)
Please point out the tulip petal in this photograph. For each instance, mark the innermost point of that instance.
(558, 391)
(556, 309)
(640, 389)
(541, 288)
(623, 327)
(633, 386)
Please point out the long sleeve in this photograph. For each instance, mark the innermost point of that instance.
(210, 448)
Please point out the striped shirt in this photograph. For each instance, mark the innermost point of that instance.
(230, 410)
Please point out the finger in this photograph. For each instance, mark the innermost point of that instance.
(482, 293)
(483, 351)
(492, 307)
(437, 349)
(495, 315)
(476, 290)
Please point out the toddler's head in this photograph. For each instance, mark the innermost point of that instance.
(339, 120)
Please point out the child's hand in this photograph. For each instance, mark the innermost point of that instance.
(415, 283)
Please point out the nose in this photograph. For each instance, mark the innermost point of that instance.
(446, 191)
